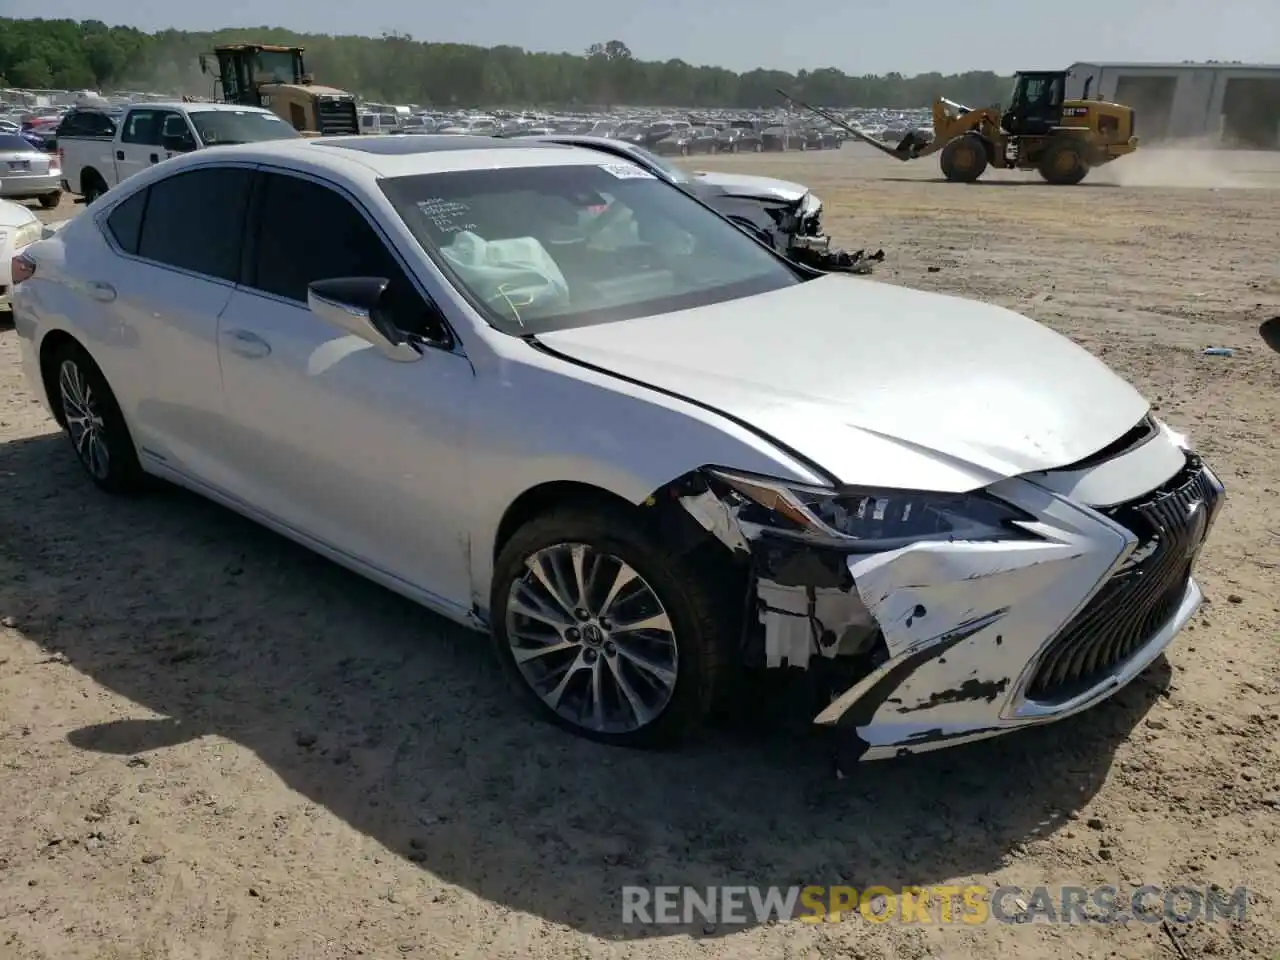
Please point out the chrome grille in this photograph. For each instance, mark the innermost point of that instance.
(1140, 598)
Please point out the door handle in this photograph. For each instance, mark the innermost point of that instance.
(119, 154)
(246, 343)
(101, 290)
(155, 158)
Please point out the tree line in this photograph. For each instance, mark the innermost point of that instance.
(88, 54)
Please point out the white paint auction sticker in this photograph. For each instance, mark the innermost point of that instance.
(627, 171)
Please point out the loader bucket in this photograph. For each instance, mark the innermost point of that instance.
(910, 144)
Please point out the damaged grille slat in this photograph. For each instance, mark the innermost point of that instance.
(1140, 598)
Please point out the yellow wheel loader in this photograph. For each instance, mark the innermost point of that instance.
(274, 77)
(1041, 130)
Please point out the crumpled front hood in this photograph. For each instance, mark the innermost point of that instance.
(878, 384)
(745, 185)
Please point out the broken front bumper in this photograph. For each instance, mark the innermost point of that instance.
(987, 637)
(962, 640)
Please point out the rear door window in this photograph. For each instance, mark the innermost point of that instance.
(195, 221)
(124, 223)
(143, 127)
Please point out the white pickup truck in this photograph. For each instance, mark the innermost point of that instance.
(99, 149)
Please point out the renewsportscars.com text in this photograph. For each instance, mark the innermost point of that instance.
(969, 904)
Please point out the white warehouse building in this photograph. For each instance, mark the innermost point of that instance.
(1237, 104)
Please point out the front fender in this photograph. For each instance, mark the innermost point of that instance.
(543, 419)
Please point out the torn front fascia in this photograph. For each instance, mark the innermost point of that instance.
(805, 600)
(796, 236)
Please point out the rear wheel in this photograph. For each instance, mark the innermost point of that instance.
(1064, 163)
(606, 632)
(964, 159)
(51, 200)
(92, 186)
(93, 421)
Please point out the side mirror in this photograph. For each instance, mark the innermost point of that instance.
(177, 142)
(352, 304)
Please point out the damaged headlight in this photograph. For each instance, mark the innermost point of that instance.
(871, 520)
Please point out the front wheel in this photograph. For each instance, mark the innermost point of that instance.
(964, 159)
(91, 416)
(1064, 163)
(604, 631)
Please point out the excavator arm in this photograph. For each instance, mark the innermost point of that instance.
(950, 120)
(903, 151)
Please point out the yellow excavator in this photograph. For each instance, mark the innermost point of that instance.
(1040, 130)
(274, 77)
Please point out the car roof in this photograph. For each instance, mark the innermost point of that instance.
(189, 107)
(398, 156)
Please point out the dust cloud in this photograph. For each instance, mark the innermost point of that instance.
(1180, 165)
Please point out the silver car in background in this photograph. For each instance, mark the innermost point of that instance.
(28, 173)
(549, 395)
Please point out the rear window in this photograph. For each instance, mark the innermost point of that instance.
(87, 123)
(239, 126)
(11, 143)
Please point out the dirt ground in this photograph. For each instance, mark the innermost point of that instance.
(216, 745)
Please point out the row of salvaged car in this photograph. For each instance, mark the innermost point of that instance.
(682, 138)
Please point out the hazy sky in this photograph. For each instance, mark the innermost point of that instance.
(857, 36)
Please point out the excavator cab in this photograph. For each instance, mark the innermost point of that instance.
(244, 67)
(1036, 106)
(274, 77)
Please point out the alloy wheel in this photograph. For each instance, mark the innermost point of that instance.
(84, 421)
(591, 638)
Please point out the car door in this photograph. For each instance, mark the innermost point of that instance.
(365, 454)
(139, 141)
(177, 246)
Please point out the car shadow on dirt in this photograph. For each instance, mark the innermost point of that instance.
(398, 723)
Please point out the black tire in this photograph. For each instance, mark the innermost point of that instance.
(119, 471)
(51, 200)
(733, 148)
(1064, 162)
(758, 148)
(92, 186)
(964, 159)
(702, 622)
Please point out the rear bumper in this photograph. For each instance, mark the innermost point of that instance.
(12, 187)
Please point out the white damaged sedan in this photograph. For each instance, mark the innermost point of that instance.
(552, 397)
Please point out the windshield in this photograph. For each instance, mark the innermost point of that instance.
(277, 66)
(666, 166)
(538, 249)
(239, 126)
